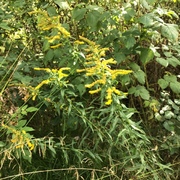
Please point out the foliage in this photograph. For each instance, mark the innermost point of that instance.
(89, 90)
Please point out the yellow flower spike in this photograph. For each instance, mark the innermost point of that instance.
(61, 74)
(63, 31)
(116, 91)
(47, 81)
(80, 70)
(42, 69)
(87, 41)
(30, 145)
(34, 96)
(24, 132)
(89, 85)
(53, 38)
(78, 42)
(95, 91)
(54, 70)
(108, 102)
(55, 46)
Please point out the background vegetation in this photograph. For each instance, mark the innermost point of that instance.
(89, 89)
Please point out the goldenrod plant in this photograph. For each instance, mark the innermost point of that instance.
(89, 89)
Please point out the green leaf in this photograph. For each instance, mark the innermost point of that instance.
(169, 125)
(27, 155)
(51, 11)
(21, 123)
(170, 78)
(146, 55)
(175, 87)
(27, 129)
(2, 144)
(4, 26)
(163, 83)
(145, 4)
(139, 91)
(140, 75)
(92, 19)
(130, 42)
(147, 20)
(78, 14)
(49, 55)
(81, 88)
(170, 31)
(31, 109)
(95, 8)
(62, 4)
(46, 45)
(119, 57)
(130, 12)
(173, 61)
(162, 61)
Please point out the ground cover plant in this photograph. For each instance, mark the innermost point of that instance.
(89, 89)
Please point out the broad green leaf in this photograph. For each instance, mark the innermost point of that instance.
(27, 129)
(140, 75)
(49, 55)
(170, 31)
(130, 42)
(130, 12)
(119, 57)
(78, 14)
(46, 45)
(62, 4)
(95, 8)
(163, 83)
(146, 55)
(170, 78)
(92, 19)
(51, 11)
(169, 125)
(151, 2)
(81, 88)
(144, 93)
(4, 26)
(173, 61)
(147, 20)
(2, 144)
(162, 61)
(145, 4)
(31, 109)
(21, 123)
(134, 66)
(139, 91)
(175, 87)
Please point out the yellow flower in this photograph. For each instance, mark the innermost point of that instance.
(63, 31)
(87, 41)
(78, 42)
(56, 46)
(80, 70)
(108, 102)
(47, 81)
(53, 38)
(30, 145)
(95, 91)
(42, 69)
(116, 91)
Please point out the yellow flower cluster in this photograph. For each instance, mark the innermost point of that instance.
(46, 23)
(110, 91)
(57, 75)
(19, 138)
(100, 69)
